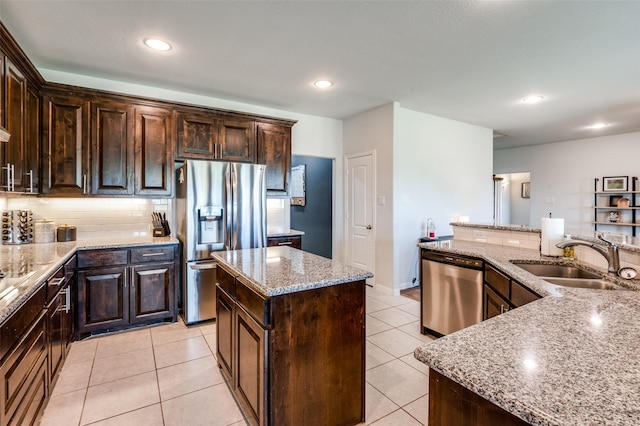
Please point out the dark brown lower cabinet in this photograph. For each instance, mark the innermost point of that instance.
(103, 299)
(451, 404)
(293, 359)
(24, 376)
(134, 286)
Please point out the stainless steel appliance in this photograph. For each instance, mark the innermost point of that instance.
(219, 206)
(451, 292)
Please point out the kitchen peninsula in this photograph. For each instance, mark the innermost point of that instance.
(569, 358)
(291, 336)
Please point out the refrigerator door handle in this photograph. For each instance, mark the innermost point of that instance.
(230, 210)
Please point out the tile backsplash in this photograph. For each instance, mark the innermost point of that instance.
(278, 215)
(95, 217)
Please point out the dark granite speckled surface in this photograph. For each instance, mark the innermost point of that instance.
(570, 358)
(279, 270)
(27, 266)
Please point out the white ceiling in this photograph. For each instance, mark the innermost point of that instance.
(466, 60)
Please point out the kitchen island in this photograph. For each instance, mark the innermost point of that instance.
(569, 358)
(291, 336)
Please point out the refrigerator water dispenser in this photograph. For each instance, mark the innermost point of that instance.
(211, 225)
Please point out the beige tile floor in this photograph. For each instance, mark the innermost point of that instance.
(167, 375)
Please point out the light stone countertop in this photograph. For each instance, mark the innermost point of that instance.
(27, 266)
(279, 232)
(570, 358)
(274, 271)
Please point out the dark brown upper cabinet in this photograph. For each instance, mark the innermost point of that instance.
(2, 81)
(197, 135)
(274, 150)
(153, 151)
(20, 160)
(65, 139)
(111, 148)
(237, 141)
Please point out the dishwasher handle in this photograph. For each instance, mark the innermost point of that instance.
(453, 259)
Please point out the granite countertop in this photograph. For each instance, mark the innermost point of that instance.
(274, 271)
(27, 266)
(570, 358)
(279, 232)
(520, 228)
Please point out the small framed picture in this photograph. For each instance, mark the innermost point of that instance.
(613, 200)
(615, 183)
(526, 190)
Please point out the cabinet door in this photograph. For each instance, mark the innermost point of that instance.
(153, 151)
(493, 304)
(152, 290)
(225, 311)
(196, 135)
(237, 141)
(103, 299)
(32, 130)
(112, 148)
(2, 80)
(251, 372)
(65, 139)
(16, 92)
(274, 150)
(68, 323)
(56, 332)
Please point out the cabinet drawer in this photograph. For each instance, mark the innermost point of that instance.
(226, 280)
(55, 283)
(152, 254)
(70, 268)
(19, 369)
(256, 305)
(16, 324)
(520, 295)
(499, 282)
(295, 242)
(93, 258)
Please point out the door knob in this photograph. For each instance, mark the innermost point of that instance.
(368, 226)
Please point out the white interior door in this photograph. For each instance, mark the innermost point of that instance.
(360, 222)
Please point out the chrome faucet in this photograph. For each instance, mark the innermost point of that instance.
(609, 251)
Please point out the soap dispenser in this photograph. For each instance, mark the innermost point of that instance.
(431, 229)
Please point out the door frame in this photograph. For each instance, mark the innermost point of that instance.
(374, 162)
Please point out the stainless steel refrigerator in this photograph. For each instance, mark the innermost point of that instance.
(219, 206)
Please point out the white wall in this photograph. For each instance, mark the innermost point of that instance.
(311, 135)
(562, 174)
(427, 166)
(373, 131)
(442, 168)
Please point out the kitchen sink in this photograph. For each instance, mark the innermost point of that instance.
(568, 276)
(556, 271)
(598, 284)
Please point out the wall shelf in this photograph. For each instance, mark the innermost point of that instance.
(602, 201)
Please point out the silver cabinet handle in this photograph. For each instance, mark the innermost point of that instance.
(152, 254)
(285, 243)
(13, 177)
(30, 174)
(84, 184)
(199, 266)
(10, 176)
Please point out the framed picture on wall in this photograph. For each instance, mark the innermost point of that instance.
(526, 189)
(615, 184)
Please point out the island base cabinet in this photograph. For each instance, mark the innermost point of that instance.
(293, 359)
(451, 404)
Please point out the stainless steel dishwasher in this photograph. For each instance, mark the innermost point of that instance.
(451, 292)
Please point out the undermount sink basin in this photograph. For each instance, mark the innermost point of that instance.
(568, 276)
(598, 284)
(559, 271)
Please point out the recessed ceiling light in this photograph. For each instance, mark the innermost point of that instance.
(532, 99)
(598, 125)
(157, 44)
(323, 84)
